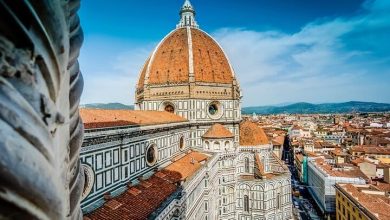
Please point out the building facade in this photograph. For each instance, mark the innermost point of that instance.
(322, 178)
(361, 202)
(185, 152)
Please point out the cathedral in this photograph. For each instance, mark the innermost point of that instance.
(184, 152)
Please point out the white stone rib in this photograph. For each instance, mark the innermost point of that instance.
(190, 56)
(230, 65)
(146, 81)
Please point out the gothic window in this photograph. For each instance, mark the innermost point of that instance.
(246, 203)
(151, 155)
(278, 201)
(169, 108)
(246, 165)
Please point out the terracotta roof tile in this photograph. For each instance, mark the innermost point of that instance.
(352, 172)
(99, 118)
(188, 164)
(379, 205)
(218, 131)
(170, 63)
(113, 204)
(210, 62)
(140, 201)
(252, 135)
(279, 140)
(371, 149)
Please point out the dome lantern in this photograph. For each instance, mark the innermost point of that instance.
(187, 16)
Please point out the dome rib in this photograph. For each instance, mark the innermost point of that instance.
(187, 55)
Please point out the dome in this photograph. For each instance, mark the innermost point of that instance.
(218, 131)
(252, 135)
(187, 64)
(186, 55)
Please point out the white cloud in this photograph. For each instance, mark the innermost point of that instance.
(115, 82)
(325, 61)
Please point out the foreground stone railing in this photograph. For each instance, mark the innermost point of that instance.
(40, 128)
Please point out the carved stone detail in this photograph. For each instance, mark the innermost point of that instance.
(40, 129)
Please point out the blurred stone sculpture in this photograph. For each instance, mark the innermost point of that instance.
(40, 129)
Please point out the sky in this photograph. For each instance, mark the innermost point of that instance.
(282, 51)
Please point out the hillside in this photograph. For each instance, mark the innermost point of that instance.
(308, 108)
(108, 106)
(296, 108)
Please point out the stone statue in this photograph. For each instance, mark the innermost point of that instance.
(40, 128)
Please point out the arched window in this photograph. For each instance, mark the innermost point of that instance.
(217, 145)
(207, 145)
(169, 108)
(246, 165)
(246, 203)
(181, 143)
(227, 145)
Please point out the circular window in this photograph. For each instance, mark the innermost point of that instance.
(89, 179)
(215, 110)
(181, 143)
(151, 155)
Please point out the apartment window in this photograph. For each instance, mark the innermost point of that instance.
(246, 203)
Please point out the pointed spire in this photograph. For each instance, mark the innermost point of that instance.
(187, 16)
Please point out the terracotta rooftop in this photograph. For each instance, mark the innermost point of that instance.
(339, 152)
(376, 204)
(371, 149)
(99, 118)
(299, 157)
(252, 135)
(279, 140)
(188, 165)
(350, 172)
(140, 201)
(170, 63)
(218, 131)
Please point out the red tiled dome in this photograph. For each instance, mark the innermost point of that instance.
(173, 60)
(251, 134)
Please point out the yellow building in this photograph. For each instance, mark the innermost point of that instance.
(362, 202)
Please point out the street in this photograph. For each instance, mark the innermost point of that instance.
(303, 205)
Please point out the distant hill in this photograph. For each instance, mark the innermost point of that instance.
(296, 108)
(108, 106)
(309, 108)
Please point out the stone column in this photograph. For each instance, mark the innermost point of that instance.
(40, 128)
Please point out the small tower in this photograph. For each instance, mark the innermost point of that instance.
(187, 16)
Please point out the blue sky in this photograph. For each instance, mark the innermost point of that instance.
(281, 50)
